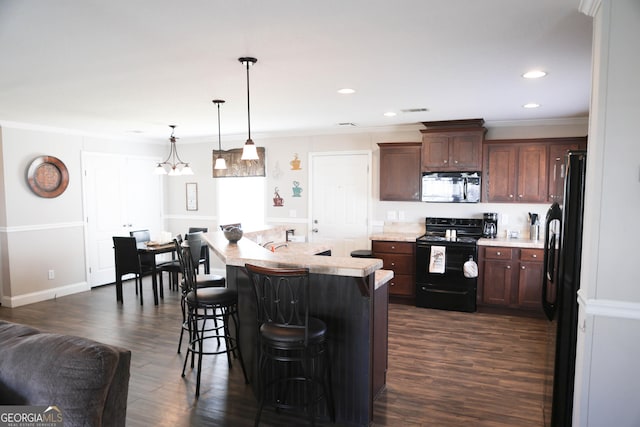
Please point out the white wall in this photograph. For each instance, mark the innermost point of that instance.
(39, 234)
(607, 375)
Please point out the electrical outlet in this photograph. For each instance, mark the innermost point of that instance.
(52, 274)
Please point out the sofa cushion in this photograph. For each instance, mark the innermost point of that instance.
(9, 330)
(70, 372)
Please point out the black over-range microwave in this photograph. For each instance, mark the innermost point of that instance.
(454, 187)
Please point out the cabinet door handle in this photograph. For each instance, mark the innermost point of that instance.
(445, 161)
(393, 247)
(534, 255)
(520, 196)
(523, 267)
(508, 267)
(511, 196)
(393, 264)
(455, 161)
(498, 253)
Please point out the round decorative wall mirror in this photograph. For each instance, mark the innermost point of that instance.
(47, 176)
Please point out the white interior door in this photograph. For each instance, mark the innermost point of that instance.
(121, 194)
(339, 195)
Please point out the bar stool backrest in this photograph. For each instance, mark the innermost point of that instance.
(282, 296)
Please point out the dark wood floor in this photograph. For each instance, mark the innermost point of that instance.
(445, 368)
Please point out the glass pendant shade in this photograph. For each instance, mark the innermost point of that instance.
(249, 151)
(220, 163)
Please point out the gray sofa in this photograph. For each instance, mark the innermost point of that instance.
(87, 380)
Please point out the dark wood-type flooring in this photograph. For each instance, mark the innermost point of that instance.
(445, 368)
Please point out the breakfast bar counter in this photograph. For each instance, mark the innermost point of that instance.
(349, 294)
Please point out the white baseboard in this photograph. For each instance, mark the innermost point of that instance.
(48, 294)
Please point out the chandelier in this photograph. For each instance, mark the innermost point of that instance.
(249, 151)
(173, 163)
(220, 162)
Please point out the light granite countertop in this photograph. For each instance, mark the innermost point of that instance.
(396, 236)
(512, 243)
(293, 255)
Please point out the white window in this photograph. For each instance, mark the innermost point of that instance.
(241, 200)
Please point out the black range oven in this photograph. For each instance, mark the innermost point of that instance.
(440, 257)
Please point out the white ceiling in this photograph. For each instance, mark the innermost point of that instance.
(132, 67)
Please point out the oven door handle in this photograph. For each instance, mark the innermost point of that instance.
(443, 291)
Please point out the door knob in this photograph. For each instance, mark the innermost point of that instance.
(315, 230)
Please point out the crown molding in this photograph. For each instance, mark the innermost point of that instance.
(589, 7)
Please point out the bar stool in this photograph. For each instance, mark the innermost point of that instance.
(216, 304)
(362, 253)
(294, 369)
(201, 281)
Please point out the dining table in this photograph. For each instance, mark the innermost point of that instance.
(155, 249)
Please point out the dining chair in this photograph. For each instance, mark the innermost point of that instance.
(127, 261)
(143, 236)
(294, 368)
(217, 304)
(172, 267)
(204, 251)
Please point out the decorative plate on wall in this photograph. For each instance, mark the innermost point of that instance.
(48, 176)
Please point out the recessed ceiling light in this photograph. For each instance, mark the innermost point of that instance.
(346, 91)
(534, 74)
(531, 105)
(390, 114)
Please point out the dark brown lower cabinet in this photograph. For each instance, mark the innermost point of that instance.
(400, 257)
(511, 278)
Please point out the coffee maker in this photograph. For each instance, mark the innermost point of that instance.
(490, 225)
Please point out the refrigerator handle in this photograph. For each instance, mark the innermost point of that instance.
(551, 266)
(549, 274)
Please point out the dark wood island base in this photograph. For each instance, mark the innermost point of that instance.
(349, 294)
(356, 319)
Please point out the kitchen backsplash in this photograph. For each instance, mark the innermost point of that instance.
(513, 218)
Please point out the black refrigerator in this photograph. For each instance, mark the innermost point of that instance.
(561, 281)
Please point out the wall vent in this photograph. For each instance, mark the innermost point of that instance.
(415, 110)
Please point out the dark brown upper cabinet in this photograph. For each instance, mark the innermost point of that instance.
(452, 145)
(557, 164)
(400, 176)
(526, 170)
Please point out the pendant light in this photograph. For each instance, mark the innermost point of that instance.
(249, 151)
(220, 162)
(176, 165)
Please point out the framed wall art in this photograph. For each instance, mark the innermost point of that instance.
(192, 196)
(47, 176)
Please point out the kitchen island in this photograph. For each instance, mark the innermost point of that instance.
(349, 294)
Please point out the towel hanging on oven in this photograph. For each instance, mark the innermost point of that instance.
(437, 262)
